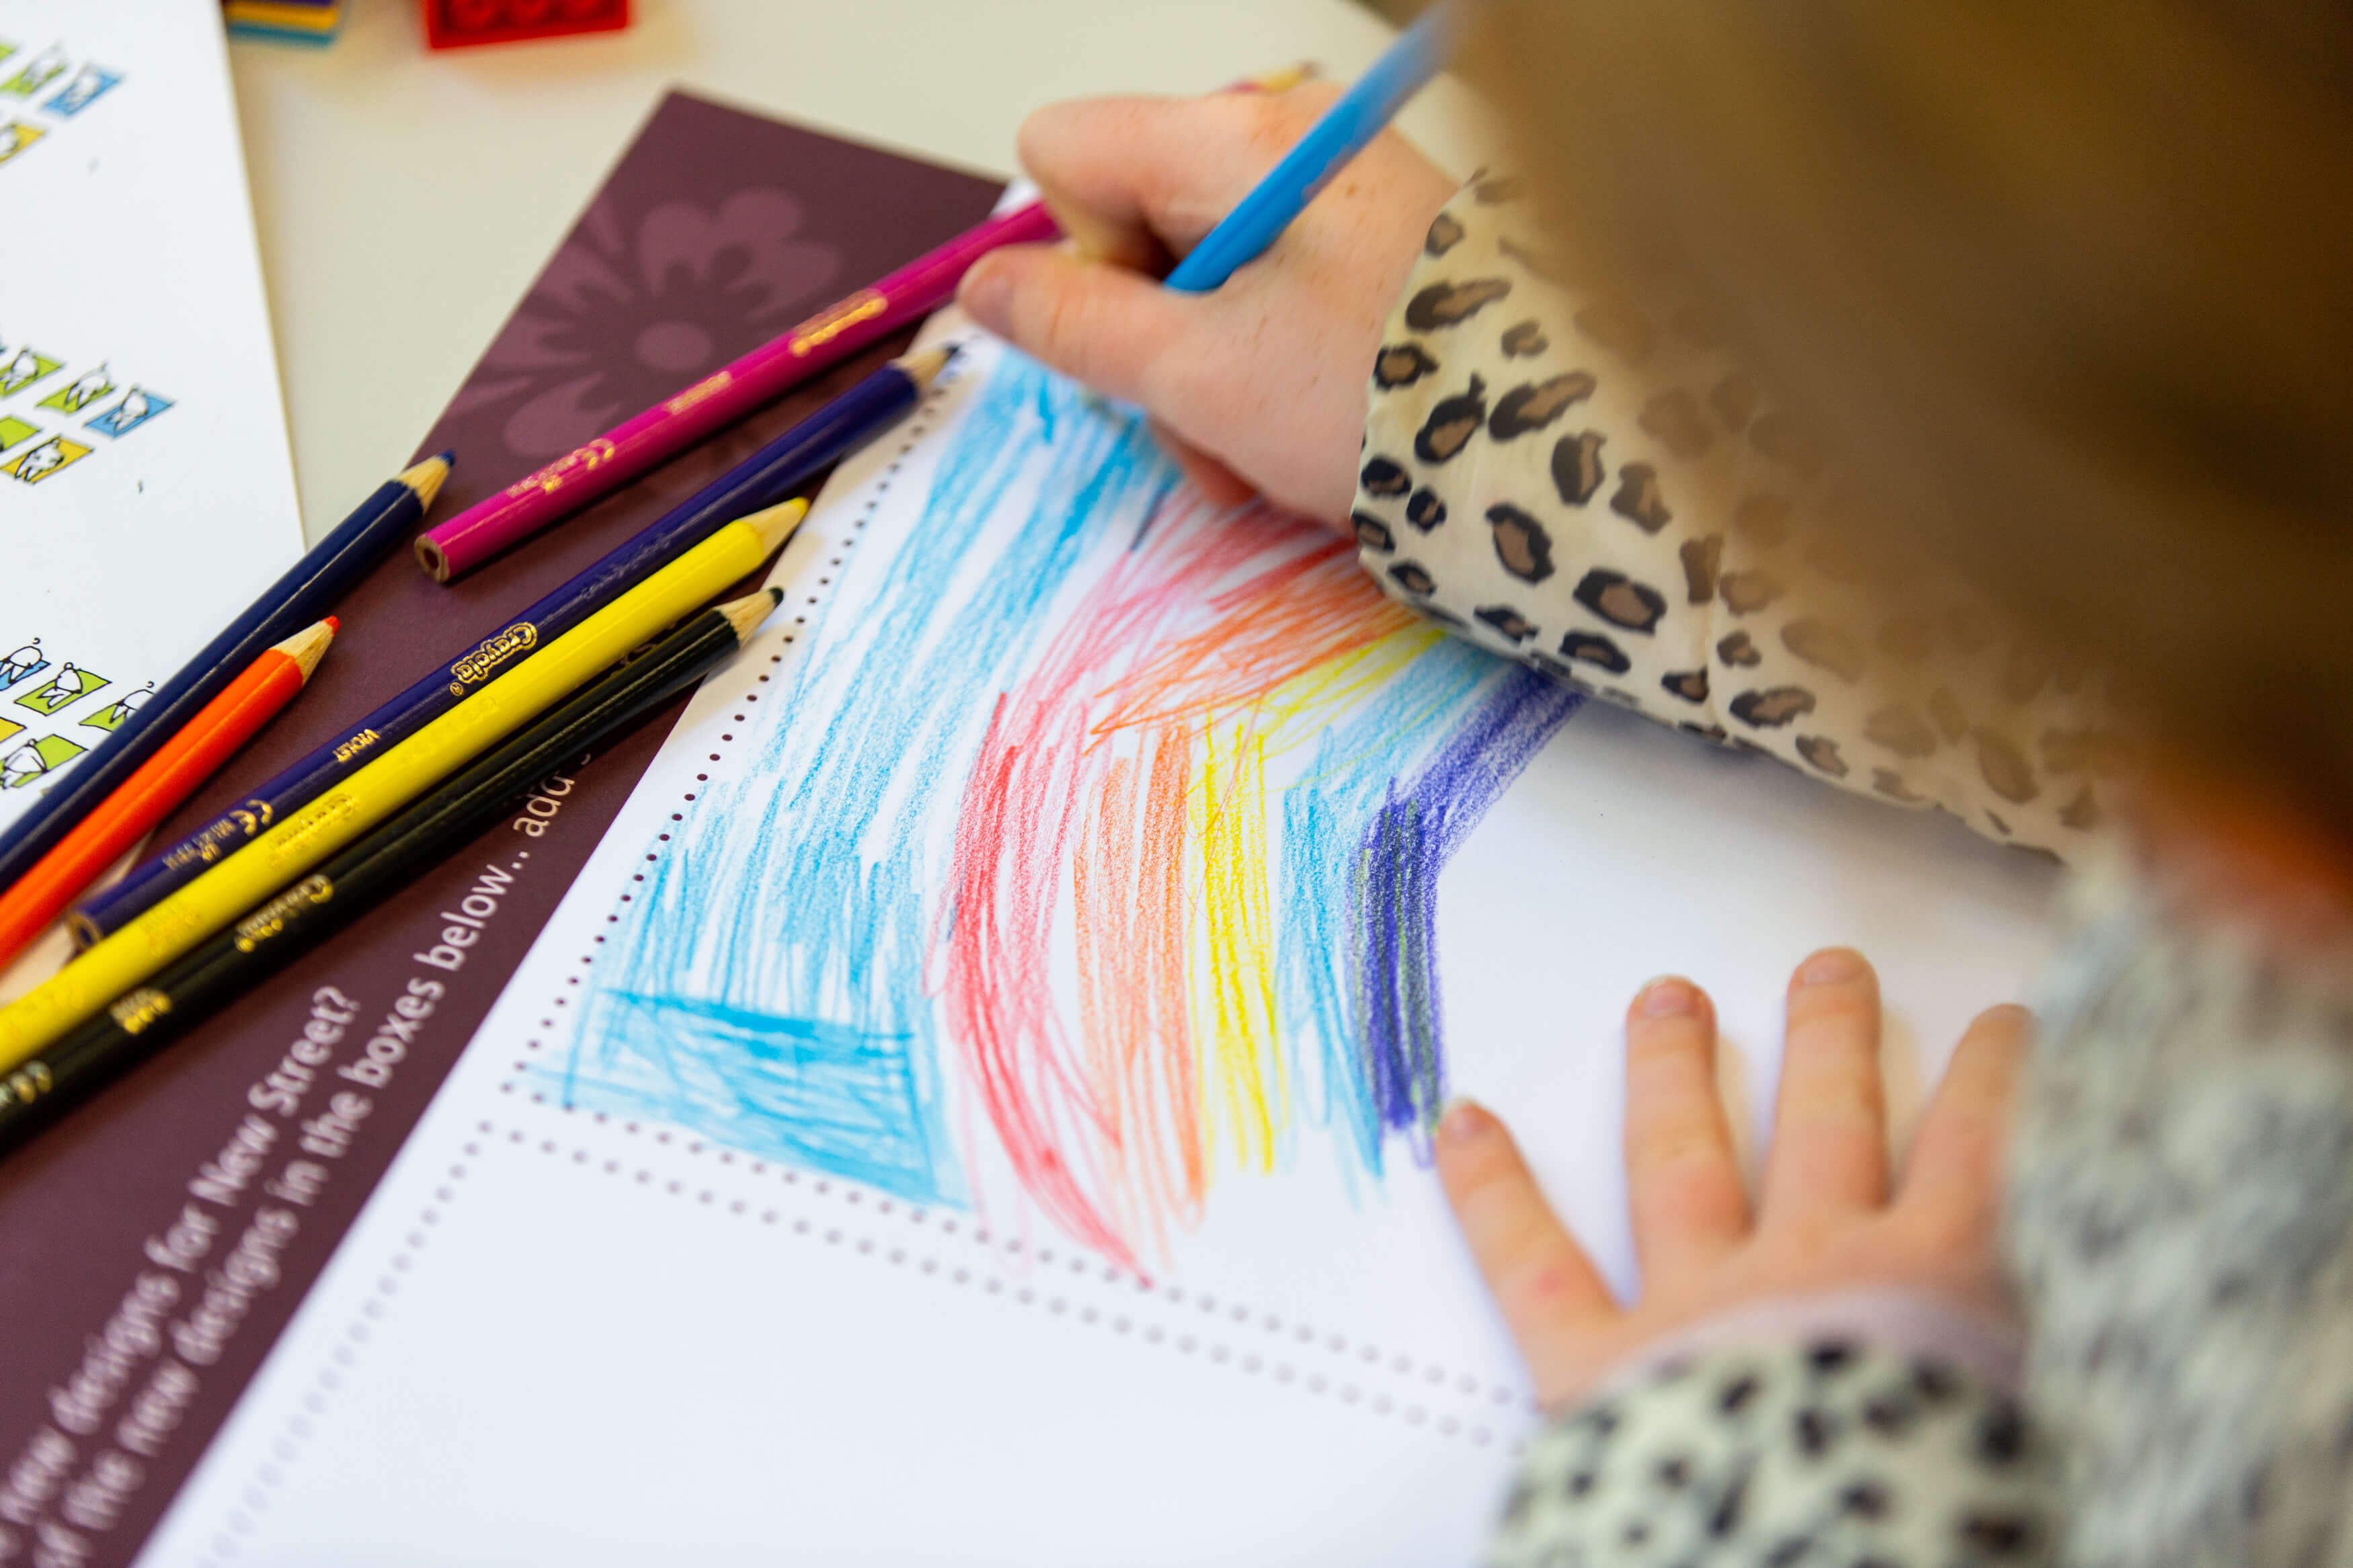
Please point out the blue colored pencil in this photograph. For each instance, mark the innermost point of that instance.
(1418, 54)
(768, 476)
(302, 596)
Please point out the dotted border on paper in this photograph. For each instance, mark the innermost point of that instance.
(1403, 1369)
(1217, 1346)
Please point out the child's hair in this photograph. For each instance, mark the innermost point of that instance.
(2071, 283)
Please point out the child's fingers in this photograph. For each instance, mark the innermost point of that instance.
(1830, 1125)
(1955, 1172)
(1551, 1298)
(1683, 1178)
(1130, 175)
(1101, 324)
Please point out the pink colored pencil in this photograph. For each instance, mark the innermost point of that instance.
(721, 398)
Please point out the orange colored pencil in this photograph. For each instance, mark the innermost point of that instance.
(163, 782)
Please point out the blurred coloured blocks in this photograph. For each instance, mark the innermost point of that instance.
(304, 21)
(456, 24)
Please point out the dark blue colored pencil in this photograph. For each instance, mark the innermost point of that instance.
(768, 476)
(310, 587)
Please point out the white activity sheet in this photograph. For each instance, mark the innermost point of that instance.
(973, 1107)
(146, 493)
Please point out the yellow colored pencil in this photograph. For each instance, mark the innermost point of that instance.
(276, 858)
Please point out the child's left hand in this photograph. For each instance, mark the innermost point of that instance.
(1827, 1220)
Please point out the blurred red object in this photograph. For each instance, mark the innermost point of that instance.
(455, 24)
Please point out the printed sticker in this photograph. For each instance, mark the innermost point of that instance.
(23, 368)
(88, 84)
(138, 407)
(35, 758)
(80, 392)
(69, 686)
(37, 73)
(44, 461)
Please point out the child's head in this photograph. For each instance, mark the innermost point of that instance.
(2072, 284)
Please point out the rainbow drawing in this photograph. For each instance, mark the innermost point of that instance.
(1096, 831)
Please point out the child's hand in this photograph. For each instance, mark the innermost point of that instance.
(1258, 388)
(1827, 1221)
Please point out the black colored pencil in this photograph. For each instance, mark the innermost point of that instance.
(307, 591)
(184, 992)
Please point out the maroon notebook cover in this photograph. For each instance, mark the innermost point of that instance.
(132, 1318)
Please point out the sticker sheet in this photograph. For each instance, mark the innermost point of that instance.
(146, 491)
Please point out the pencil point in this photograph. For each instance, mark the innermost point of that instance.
(334, 623)
(746, 613)
(924, 368)
(309, 645)
(777, 524)
(426, 477)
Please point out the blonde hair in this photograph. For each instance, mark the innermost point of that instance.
(2072, 284)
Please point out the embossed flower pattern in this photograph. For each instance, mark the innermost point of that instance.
(690, 288)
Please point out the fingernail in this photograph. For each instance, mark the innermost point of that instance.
(986, 293)
(1465, 1122)
(1832, 968)
(1669, 996)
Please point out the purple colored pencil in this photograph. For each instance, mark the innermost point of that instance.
(721, 398)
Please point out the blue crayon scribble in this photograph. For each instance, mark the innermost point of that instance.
(800, 896)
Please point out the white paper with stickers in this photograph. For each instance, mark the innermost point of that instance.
(146, 490)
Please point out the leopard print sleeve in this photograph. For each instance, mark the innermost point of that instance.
(1829, 1452)
(1611, 500)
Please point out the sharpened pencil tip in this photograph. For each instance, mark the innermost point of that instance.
(924, 368)
(309, 645)
(426, 477)
(746, 613)
(334, 623)
(777, 524)
(776, 596)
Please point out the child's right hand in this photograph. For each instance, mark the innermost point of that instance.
(1258, 388)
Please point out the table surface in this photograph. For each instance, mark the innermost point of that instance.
(405, 199)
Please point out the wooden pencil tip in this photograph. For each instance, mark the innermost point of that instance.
(777, 524)
(309, 645)
(746, 613)
(924, 368)
(426, 477)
